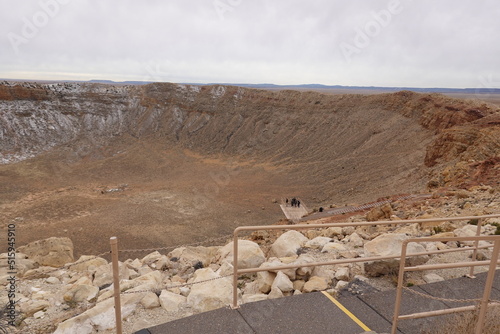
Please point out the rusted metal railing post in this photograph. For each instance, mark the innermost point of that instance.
(487, 288)
(116, 283)
(476, 244)
(399, 291)
(235, 269)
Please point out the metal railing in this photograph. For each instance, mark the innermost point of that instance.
(484, 301)
(237, 272)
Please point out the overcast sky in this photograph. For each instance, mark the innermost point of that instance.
(392, 43)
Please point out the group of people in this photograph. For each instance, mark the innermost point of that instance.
(294, 202)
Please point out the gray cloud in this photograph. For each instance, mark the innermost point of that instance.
(449, 43)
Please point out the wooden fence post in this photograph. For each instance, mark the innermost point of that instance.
(116, 283)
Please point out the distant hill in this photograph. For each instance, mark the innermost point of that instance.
(441, 90)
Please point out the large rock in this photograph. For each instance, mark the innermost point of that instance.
(103, 275)
(249, 254)
(87, 261)
(101, 317)
(210, 295)
(150, 300)
(171, 301)
(315, 283)
(282, 282)
(265, 280)
(80, 293)
(390, 245)
(466, 231)
(379, 212)
(354, 240)
(185, 258)
(275, 262)
(318, 242)
(288, 244)
(53, 252)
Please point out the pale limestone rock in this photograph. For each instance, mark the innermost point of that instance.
(144, 270)
(275, 262)
(153, 277)
(87, 261)
(390, 245)
(22, 266)
(249, 254)
(327, 272)
(103, 275)
(80, 293)
(39, 315)
(341, 285)
(251, 288)
(318, 242)
(101, 317)
(332, 232)
(315, 283)
(30, 307)
(141, 324)
(250, 298)
(301, 260)
(225, 269)
(52, 252)
(342, 274)
(275, 293)
(163, 263)
(288, 244)
(210, 295)
(466, 231)
(333, 247)
(184, 291)
(347, 230)
(52, 280)
(151, 258)
(265, 280)
(298, 284)
(297, 292)
(170, 301)
(411, 230)
(379, 212)
(187, 257)
(311, 234)
(150, 300)
(135, 264)
(282, 282)
(432, 278)
(354, 240)
(83, 280)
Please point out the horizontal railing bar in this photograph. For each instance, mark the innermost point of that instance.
(449, 265)
(437, 239)
(311, 226)
(442, 312)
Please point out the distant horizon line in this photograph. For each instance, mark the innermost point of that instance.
(481, 90)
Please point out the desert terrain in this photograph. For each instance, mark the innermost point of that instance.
(165, 164)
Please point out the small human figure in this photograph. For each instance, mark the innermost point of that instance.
(320, 209)
(298, 204)
(286, 201)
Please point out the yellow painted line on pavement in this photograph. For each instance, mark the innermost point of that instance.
(346, 311)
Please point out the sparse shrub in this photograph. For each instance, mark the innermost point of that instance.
(437, 229)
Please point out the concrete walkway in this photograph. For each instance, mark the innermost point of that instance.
(350, 313)
(294, 213)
